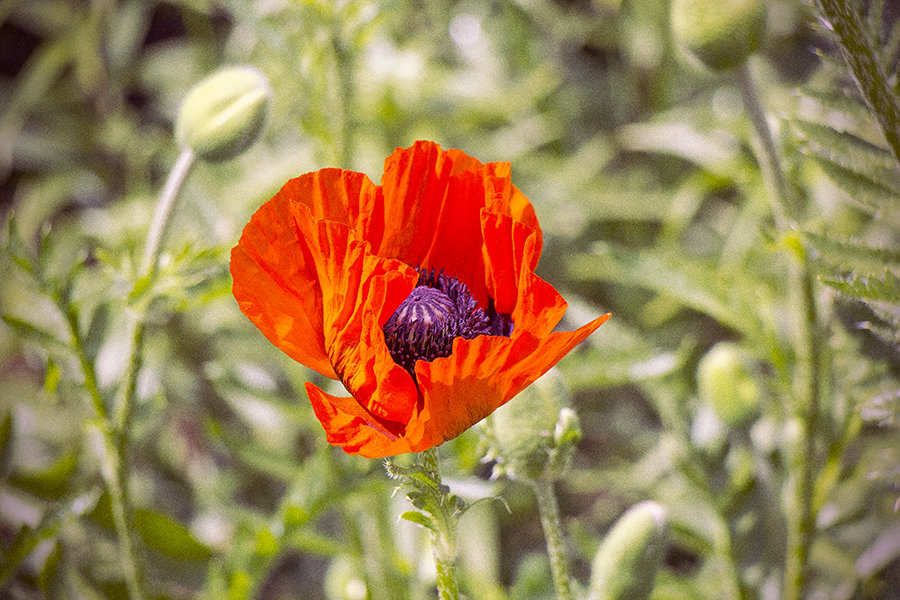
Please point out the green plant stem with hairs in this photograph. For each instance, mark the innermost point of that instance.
(115, 431)
(443, 534)
(553, 534)
(112, 463)
(807, 375)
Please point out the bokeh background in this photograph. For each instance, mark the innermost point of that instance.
(641, 168)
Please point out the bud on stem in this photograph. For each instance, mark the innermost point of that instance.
(223, 114)
(625, 566)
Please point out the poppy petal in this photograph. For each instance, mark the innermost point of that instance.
(357, 431)
(433, 216)
(484, 373)
(510, 249)
(274, 284)
(334, 294)
(344, 196)
(360, 291)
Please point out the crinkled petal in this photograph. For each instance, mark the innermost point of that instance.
(344, 196)
(337, 301)
(433, 201)
(276, 286)
(357, 431)
(510, 250)
(484, 373)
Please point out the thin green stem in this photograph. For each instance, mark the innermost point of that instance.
(116, 433)
(764, 145)
(162, 217)
(113, 471)
(553, 534)
(808, 374)
(115, 475)
(344, 67)
(443, 534)
(87, 368)
(163, 213)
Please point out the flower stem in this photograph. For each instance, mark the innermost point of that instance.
(443, 534)
(114, 474)
(807, 375)
(549, 511)
(163, 213)
(344, 66)
(115, 431)
(153, 245)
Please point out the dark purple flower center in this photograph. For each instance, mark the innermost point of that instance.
(437, 311)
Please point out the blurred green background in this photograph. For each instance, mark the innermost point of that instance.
(640, 165)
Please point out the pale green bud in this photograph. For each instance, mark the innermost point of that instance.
(534, 435)
(725, 380)
(625, 566)
(224, 113)
(721, 33)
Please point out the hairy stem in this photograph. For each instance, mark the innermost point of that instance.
(162, 217)
(443, 535)
(114, 475)
(553, 534)
(807, 375)
(163, 213)
(115, 432)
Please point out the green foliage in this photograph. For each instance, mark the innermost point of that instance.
(653, 206)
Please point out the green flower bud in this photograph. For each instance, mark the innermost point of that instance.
(725, 380)
(625, 565)
(534, 435)
(223, 114)
(721, 33)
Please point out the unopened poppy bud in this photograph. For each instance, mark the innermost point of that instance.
(720, 33)
(223, 114)
(625, 565)
(534, 435)
(725, 380)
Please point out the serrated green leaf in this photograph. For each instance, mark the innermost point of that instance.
(51, 483)
(866, 194)
(168, 536)
(418, 518)
(868, 287)
(851, 153)
(851, 255)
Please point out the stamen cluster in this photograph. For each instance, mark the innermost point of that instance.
(437, 311)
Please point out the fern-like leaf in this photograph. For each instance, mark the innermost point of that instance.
(866, 172)
(867, 287)
(852, 256)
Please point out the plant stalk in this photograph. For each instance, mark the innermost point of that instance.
(553, 534)
(443, 535)
(162, 215)
(807, 375)
(116, 431)
(113, 471)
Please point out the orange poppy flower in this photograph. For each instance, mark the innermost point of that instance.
(419, 295)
